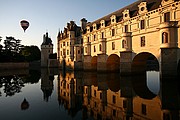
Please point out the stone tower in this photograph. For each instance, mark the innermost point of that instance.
(46, 50)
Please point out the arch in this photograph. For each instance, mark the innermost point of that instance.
(140, 87)
(144, 62)
(113, 82)
(94, 63)
(113, 63)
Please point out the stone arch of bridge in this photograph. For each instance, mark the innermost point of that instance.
(145, 61)
(113, 63)
(94, 63)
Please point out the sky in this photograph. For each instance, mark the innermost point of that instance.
(50, 16)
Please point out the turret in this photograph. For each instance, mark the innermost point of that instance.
(83, 23)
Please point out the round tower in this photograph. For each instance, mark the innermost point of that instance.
(46, 50)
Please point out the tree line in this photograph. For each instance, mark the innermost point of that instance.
(14, 51)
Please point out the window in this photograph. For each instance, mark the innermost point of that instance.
(67, 43)
(143, 41)
(95, 104)
(102, 35)
(167, 17)
(143, 107)
(113, 32)
(94, 48)
(100, 95)
(164, 37)
(124, 44)
(63, 43)
(64, 52)
(78, 51)
(61, 53)
(113, 46)
(94, 93)
(142, 24)
(114, 112)
(67, 52)
(94, 37)
(88, 39)
(85, 49)
(100, 47)
(114, 99)
(126, 28)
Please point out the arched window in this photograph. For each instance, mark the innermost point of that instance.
(124, 44)
(164, 37)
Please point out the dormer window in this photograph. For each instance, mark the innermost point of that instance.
(126, 14)
(88, 29)
(142, 8)
(102, 23)
(113, 19)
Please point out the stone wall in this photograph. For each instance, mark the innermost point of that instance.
(7, 66)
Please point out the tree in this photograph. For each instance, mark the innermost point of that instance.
(31, 53)
(12, 45)
(0, 44)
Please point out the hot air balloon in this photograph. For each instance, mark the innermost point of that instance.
(24, 24)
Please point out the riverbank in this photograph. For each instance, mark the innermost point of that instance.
(12, 65)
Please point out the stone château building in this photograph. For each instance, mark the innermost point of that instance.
(146, 31)
(70, 49)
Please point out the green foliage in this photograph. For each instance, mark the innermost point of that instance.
(13, 51)
(31, 53)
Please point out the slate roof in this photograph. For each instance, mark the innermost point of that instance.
(133, 9)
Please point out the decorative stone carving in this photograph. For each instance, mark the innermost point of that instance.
(142, 8)
(126, 14)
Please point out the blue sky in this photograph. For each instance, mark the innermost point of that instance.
(50, 15)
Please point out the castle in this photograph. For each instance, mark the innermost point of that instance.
(143, 33)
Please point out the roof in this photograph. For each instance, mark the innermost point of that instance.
(133, 9)
(46, 40)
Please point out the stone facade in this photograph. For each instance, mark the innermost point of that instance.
(143, 28)
(70, 49)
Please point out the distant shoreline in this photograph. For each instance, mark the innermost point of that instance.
(14, 65)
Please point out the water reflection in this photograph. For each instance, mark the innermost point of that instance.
(109, 96)
(90, 95)
(24, 104)
(11, 84)
(46, 83)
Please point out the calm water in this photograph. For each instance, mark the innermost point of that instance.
(54, 95)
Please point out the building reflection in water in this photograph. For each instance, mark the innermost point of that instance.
(109, 96)
(70, 92)
(47, 83)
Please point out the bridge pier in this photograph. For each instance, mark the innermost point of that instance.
(101, 63)
(87, 63)
(169, 62)
(125, 62)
